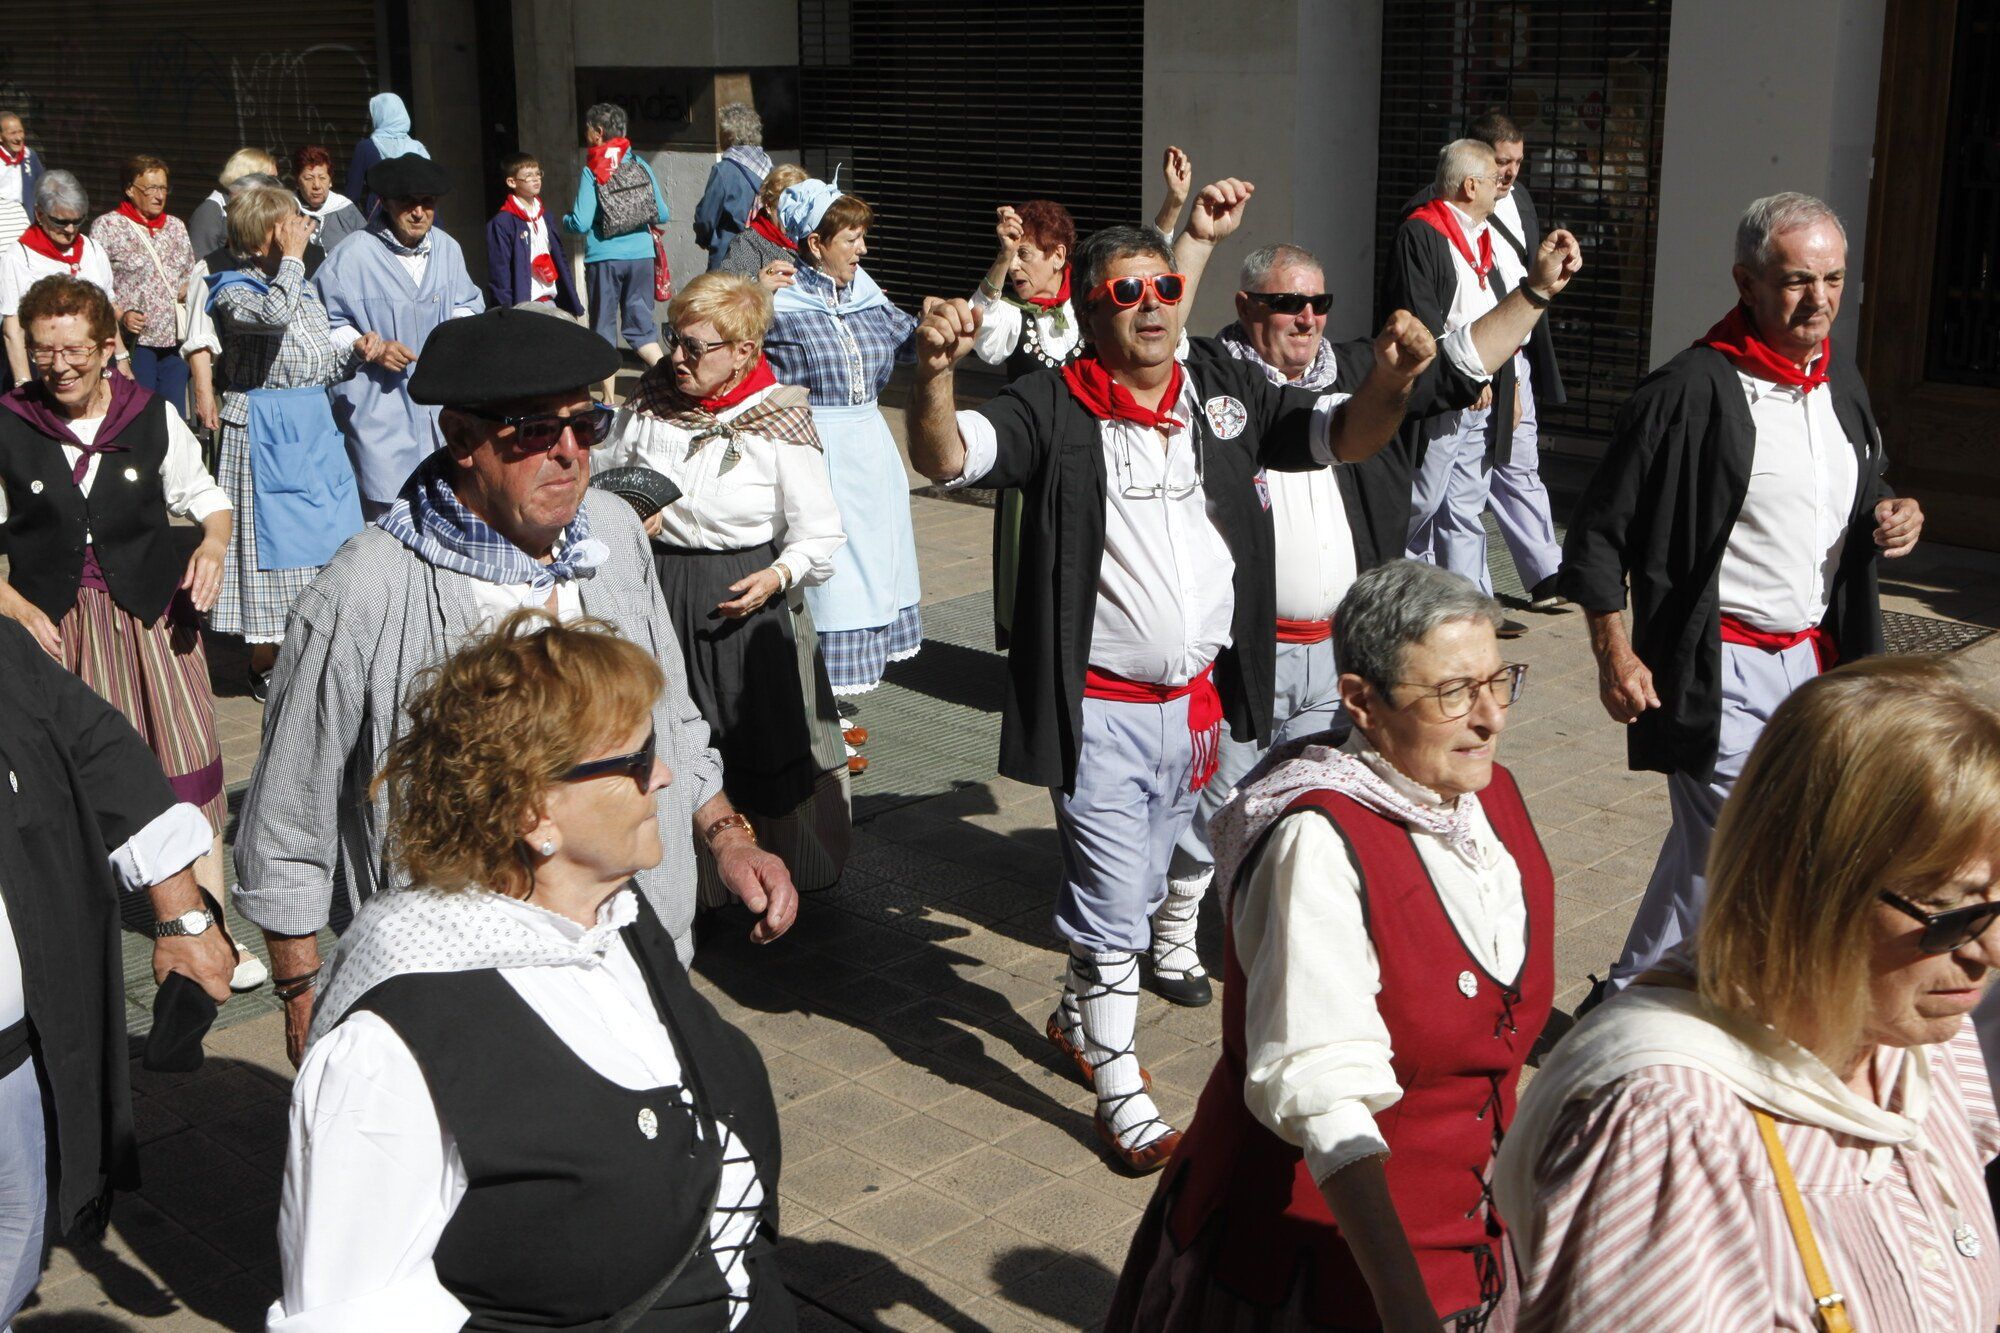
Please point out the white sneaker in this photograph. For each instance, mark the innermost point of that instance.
(250, 972)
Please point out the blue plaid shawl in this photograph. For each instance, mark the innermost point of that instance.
(428, 518)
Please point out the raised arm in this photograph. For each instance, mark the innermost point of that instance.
(1217, 213)
(1404, 349)
(1499, 333)
(943, 338)
(1178, 171)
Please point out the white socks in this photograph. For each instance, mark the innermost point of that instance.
(1174, 927)
(1103, 995)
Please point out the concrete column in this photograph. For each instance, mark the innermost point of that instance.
(444, 114)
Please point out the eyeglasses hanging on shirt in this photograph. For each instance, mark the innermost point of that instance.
(1165, 488)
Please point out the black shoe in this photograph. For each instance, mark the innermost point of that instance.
(1180, 988)
(1553, 1031)
(1600, 991)
(260, 685)
(1511, 629)
(1544, 597)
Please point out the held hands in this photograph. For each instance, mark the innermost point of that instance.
(1010, 231)
(756, 589)
(1897, 523)
(1404, 347)
(945, 335)
(369, 345)
(1558, 259)
(292, 233)
(203, 578)
(1218, 209)
(391, 355)
(1178, 169)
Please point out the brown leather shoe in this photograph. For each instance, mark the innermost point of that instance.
(1075, 1052)
(1138, 1161)
(857, 763)
(855, 735)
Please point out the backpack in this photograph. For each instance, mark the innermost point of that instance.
(625, 202)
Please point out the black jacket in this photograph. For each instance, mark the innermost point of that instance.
(1049, 447)
(1659, 510)
(79, 783)
(1423, 279)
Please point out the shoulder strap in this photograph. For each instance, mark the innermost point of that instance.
(1831, 1314)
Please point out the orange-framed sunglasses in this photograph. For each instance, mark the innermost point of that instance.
(1167, 288)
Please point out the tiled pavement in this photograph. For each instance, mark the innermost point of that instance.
(940, 1170)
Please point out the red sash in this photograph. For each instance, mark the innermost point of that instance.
(1304, 631)
(1204, 711)
(1771, 641)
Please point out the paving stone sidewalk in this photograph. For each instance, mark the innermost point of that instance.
(940, 1170)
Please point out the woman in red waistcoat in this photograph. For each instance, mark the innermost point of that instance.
(1389, 965)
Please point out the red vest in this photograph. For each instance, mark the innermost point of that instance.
(1457, 1060)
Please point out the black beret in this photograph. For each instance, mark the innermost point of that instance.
(406, 177)
(508, 354)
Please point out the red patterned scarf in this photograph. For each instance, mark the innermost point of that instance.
(603, 158)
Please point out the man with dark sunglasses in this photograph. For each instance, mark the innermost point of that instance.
(1143, 617)
(499, 518)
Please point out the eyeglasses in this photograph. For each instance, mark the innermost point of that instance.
(1290, 303)
(75, 356)
(637, 765)
(1164, 489)
(1946, 931)
(539, 432)
(1167, 288)
(694, 349)
(149, 189)
(61, 224)
(1455, 698)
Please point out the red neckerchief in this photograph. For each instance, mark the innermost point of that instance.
(1107, 400)
(513, 205)
(126, 209)
(38, 240)
(765, 226)
(603, 158)
(759, 378)
(1736, 338)
(1439, 214)
(16, 160)
(543, 266)
(1051, 302)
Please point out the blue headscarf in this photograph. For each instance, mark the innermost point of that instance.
(390, 121)
(801, 206)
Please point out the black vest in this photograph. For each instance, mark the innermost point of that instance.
(125, 515)
(572, 1210)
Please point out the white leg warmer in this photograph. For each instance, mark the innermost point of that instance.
(1105, 987)
(1174, 926)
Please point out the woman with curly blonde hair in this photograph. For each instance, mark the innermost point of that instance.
(513, 1039)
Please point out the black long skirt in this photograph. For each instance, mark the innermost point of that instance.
(761, 684)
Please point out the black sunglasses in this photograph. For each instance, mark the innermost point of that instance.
(1290, 303)
(538, 433)
(1946, 931)
(637, 765)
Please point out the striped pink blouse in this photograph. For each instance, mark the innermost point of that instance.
(1662, 1211)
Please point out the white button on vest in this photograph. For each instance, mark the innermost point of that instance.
(649, 1122)
(131, 474)
(34, 488)
(13, 782)
(1468, 985)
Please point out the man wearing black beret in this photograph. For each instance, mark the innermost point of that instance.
(402, 278)
(500, 517)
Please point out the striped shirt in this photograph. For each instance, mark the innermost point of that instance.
(1661, 1210)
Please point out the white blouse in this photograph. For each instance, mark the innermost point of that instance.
(21, 268)
(770, 491)
(372, 1176)
(190, 492)
(1057, 331)
(1318, 1055)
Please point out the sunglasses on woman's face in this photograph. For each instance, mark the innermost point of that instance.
(1290, 303)
(1946, 931)
(637, 765)
(1167, 289)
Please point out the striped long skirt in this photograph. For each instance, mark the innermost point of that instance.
(157, 676)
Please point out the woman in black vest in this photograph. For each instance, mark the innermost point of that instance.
(515, 1111)
(92, 469)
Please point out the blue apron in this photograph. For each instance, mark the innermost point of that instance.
(304, 497)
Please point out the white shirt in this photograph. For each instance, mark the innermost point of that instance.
(772, 491)
(538, 245)
(1317, 1053)
(1505, 258)
(1165, 592)
(166, 846)
(1471, 300)
(1777, 570)
(494, 601)
(190, 492)
(372, 1176)
(21, 268)
(1000, 330)
(13, 221)
(12, 177)
(1315, 545)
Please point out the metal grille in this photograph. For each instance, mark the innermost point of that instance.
(1964, 342)
(938, 110)
(1905, 633)
(1586, 82)
(189, 82)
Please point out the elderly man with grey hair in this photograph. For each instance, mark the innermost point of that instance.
(618, 203)
(1392, 944)
(733, 182)
(54, 243)
(21, 169)
(1742, 499)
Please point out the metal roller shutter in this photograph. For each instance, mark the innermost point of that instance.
(942, 109)
(189, 82)
(1586, 82)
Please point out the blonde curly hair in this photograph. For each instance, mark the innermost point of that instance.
(490, 729)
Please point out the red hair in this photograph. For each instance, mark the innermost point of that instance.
(1048, 224)
(311, 155)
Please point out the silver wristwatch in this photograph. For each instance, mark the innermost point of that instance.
(195, 922)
